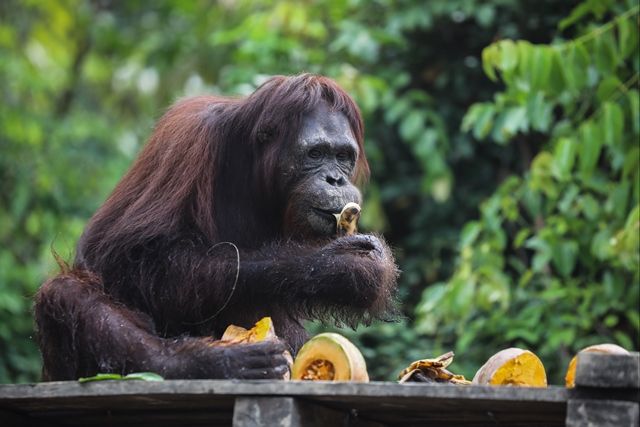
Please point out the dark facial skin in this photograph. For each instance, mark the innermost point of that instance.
(317, 173)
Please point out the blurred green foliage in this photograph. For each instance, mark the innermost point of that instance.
(552, 262)
(549, 260)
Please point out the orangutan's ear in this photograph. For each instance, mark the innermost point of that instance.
(265, 134)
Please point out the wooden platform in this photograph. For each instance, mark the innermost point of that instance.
(610, 401)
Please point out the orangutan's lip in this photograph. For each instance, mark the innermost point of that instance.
(326, 212)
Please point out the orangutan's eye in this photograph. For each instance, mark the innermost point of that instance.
(343, 156)
(315, 153)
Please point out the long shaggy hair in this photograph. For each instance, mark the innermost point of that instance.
(152, 273)
(204, 185)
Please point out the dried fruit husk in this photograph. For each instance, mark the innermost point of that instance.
(329, 357)
(512, 367)
(570, 377)
(432, 370)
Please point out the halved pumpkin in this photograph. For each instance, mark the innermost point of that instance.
(329, 357)
(513, 366)
(570, 378)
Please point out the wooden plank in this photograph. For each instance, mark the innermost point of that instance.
(201, 402)
(151, 418)
(189, 389)
(606, 392)
(446, 411)
(284, 412)
(608, 370)
(602, 413)
(14, 419)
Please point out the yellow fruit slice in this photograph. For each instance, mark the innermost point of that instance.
(570, 378)
(347, 219)
(513, 366)
(329, 357)
(262, 330)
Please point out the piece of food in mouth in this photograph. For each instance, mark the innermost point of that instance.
(347, 219)
(329, 357)
(432, 370)
(570, 377)
(514, 367)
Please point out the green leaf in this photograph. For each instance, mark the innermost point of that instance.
(627, 36)
(507, 55)
(498, 135)
(144, 376)
(520, 237)
(469, 233)
(543, 253)
(634, 105)
(590, 147)
(634, 218)
(509, 122)
(526, 278)
(631, 165)
(565, 336)
(634, 319)
(485, 14)
(525, 56)
(471, 116)
(425, 146)
(532, 202)
(539, 112)
(590, 207)
(564, 157)
(580, 11)
(623, 339)
(100, 377)
(612, 123)
(412, 126)
(462, 293)
(489, 54)
(566, 203)
(606, 56)
(607, 87)
(542, 168)
(611, 320)
(541, 61)
(600, 244)
(431, 298)
(441, 189)
(575, 66)
(526, 334)
(483, 125)
(618, 200)
(565, 255)
(397, 109)
(557, 83)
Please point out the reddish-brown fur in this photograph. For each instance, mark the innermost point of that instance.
(149, 280)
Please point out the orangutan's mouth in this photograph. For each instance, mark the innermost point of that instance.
(326, 213)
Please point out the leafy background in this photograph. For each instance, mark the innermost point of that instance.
(502, 135)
